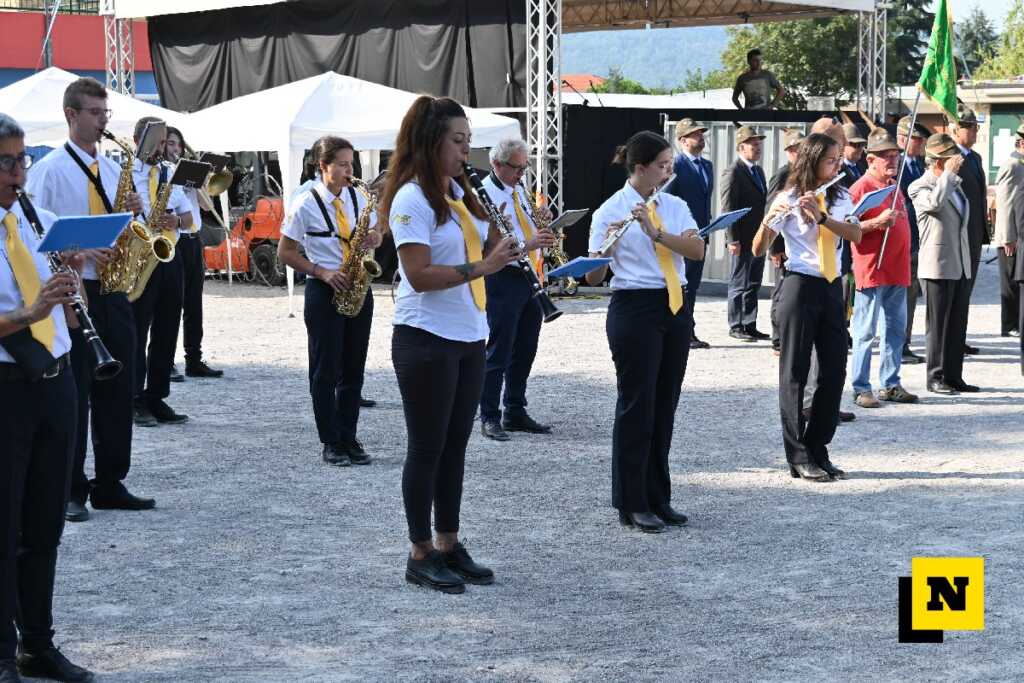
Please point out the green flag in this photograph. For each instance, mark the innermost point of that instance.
(938, 77)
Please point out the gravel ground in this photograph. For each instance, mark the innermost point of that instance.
(263, 564)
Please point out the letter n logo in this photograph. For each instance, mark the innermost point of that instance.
(948, 593)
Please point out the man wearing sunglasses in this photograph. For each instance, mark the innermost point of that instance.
(76, 179)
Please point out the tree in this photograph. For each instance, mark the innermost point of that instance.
(1007, 61)
(617, 83)
(909, 26)
(976, 37)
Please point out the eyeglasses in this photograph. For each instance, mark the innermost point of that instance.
(517, 169)
(97, 111)
(7, 161)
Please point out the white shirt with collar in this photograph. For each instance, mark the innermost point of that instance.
(10, 295)
(57, 184)
(449, 313)
(192, 197)
(306, 225)
(177, 203)
(634, 260)
(502, 194)
(801, 233)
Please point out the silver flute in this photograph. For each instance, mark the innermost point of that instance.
(613, 238)
(795, 210)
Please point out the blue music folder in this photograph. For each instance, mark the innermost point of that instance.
(579, 266)
(723, 221)
(72, 233)
(873, 200)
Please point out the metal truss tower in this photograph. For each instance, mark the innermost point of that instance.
(544, 96)
(871, 45)
(119, 50)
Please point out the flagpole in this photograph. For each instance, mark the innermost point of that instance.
(899, 176)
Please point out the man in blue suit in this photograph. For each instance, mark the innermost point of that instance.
(694, 183)
(913, 142)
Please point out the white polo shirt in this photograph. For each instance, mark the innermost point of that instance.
(192, 197)
(306, 224)
(177, 202)
(10, 295)
(801, 233)
(502, 194)
(634, 261)
(57, 184)
(449, 313)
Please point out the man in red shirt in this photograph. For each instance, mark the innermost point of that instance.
(881, 289)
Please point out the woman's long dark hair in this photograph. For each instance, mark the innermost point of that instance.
(417, 157)
(803, 176)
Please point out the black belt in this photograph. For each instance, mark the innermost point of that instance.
(12, 372)
(189, 235)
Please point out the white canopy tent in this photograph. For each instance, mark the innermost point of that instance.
(36, 103)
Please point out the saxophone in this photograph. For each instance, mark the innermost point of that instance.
(121, 272)
(554, 256)
(359, 266)
(146, 260)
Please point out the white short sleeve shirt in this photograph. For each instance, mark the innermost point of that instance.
(801, 233)
(306, 223)
(503, 194)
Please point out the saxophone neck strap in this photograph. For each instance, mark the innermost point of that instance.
(327, 217)
(94, 179)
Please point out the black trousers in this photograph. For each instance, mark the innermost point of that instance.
(1020, 325)
(780, 272)
(1009, 292)
(694, 275)
(440, 381)
(811, 320)
(193, 274)
(650, 347)
(744, 284)
(107, 403)
(947, 303)
(913, 292)
(337, 362)
(37, 421)
(514, 318)
(158, 318)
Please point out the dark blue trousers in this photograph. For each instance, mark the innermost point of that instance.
(158, 319)
(744, 284)
(515, 319)
(337, 361)
(694, 274)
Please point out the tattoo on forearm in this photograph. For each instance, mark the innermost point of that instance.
(466, 271)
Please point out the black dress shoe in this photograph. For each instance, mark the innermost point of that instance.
(809, 472)
(366, 402)
(523, 423)
(51, 663)
(9, 672)
(742, 335)
(142, 416)
(940, 387)
(164, 413)
(335, 455)
(671, 517)
(644, 521)
(433, 572)
(117, 497)
(970, 350)
(832, 470)
(698, 343)
(357, 454)
(175, 375)
(201, 369)
(492, 430)
(846, 417)
(76, 511)
(964, 387)
(757, 334)
(459, 561)
(910, 358)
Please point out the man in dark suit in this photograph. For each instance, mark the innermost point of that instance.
(791, 140)
(974, 186)
(694, 183)
(913, 143)
(853, 155)
(744, 186)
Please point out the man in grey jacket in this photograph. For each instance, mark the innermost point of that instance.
(1009, 227)
(944, 262)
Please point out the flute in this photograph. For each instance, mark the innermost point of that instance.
(795, 211)
(613, 238)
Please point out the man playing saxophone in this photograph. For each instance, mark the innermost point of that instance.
(514, 317)
(158, 308)
(323, 220)
(75, 179)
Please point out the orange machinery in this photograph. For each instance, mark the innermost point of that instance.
(253, 244)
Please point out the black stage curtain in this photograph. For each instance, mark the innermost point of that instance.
(471, 50)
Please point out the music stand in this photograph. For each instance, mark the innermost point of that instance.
(190, 174)
(216, 161)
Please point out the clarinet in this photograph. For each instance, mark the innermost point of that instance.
(106, 366)
(548, 309)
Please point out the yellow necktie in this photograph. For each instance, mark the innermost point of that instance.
(154, 184)
(826, 247)
(96, 207)
(474, 250)
(344, 230)
(668, 268)
(524, 222)
(27, 277)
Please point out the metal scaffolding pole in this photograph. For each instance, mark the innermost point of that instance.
(871, 50)
(119, 50)
(544, 97)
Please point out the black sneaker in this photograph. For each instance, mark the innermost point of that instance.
(357, 454)
(51, 663)
(741, 334)
(333, 455)
(757, 334)
(201, 369)
(433, 572)
(459, 561)
(116, 497)
(164, 413)
(142, 416)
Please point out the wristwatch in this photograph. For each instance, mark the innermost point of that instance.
(824, 217)
(657, 238)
